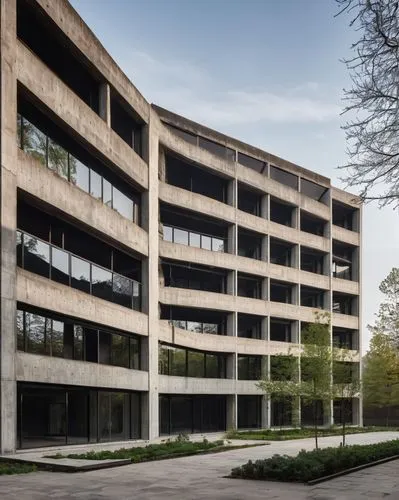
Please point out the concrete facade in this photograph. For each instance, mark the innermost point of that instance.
(323, 230)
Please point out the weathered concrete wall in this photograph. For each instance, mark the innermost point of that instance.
(48, 370)
(41, 292)
(46, 185)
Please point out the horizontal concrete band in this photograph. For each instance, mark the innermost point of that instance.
(49, 370)
(205, 205)
(46, 185)
(41, 292)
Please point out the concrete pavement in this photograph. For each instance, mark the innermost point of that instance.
(202, 477)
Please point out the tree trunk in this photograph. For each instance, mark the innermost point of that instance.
(343, 416)
(315, 415)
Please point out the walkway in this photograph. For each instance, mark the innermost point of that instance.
(202, 477)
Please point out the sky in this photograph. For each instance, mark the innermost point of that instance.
(267, 72)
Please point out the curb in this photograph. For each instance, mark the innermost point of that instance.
(353, 469)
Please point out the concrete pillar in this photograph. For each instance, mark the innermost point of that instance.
(232, 324)
(265, 412)
(265, 206)
(296, 411)
(265, 248)
(295, 257)
(162, 166)
(8, 194)
(295, 295)
(295, 222)
(232, 239)
(105, 102)
(150, 401)
(231, 412)
(295, 335)
(265, 291)
(232, 283)
(327, 297)
(328, 419)
(356, 264)
(264, 330)
(231, 366)
(357, 411)
(327, 264)
(232, 193)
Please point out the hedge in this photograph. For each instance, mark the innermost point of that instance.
(310, 465)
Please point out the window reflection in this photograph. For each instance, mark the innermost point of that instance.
(57, 159)
(34, 141)
(122, 204)
(80, 274)
(59, 265)
(180, 236)
(101, 282)
(36, 256)
(95, 185)
(79, 173)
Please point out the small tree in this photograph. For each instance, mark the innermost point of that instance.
(381, 374)
(316, 364)
(346, 383)
(283, 377)
(388, 314)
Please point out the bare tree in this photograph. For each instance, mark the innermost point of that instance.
(372, 133)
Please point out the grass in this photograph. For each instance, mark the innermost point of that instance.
(180, 447)
(316, 464)
(7, 468)
(286, 434)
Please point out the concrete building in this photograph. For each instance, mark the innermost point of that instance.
(151, 267)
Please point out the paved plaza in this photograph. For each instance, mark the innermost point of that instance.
(203, 477)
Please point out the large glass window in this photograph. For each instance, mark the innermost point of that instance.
(190, 238)
(37, 144)
(65, 338)
(51, 415)
(249, 412)
(191, 414)
(39, 257)
(187, 363)
(249, 367)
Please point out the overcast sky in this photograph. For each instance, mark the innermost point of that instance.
(265, 71)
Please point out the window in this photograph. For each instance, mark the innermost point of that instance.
(284, 177)
(249, 367)
(188, 363)
(45, 149)
(53, 336)
(252, 163)
(313, 190)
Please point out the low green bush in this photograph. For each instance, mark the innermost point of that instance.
(15, 468)
(309, 465)
(168, 449)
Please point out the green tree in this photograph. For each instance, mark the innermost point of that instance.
(381, 373)
(346, 383)
(315, 383)
(388, 314)
(316, 366)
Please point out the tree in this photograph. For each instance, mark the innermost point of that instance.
(316, 365)
(315, 383)
(388, 314)
(381, 373)
(346, 383)
(373, 133)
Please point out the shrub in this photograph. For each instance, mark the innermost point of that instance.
(16, 468)
(309, 465)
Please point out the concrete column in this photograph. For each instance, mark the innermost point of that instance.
(265, 291)
(265, 206)
(295, 336)
(232, 324)
(8, 193)
(232, 239)
(356, 264)
(327, 264)
(295, 295)
(295, 222)
(231, 412)
(327, 297)
(296, 257)
(231, 366)
(264, 332)
(232, 194)
(328, 419)
(357, 411)
(265, 412)
(265, 249)
(150, 401)
(162, 166)
(232, 282)
(296, 412)
(105, 102)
